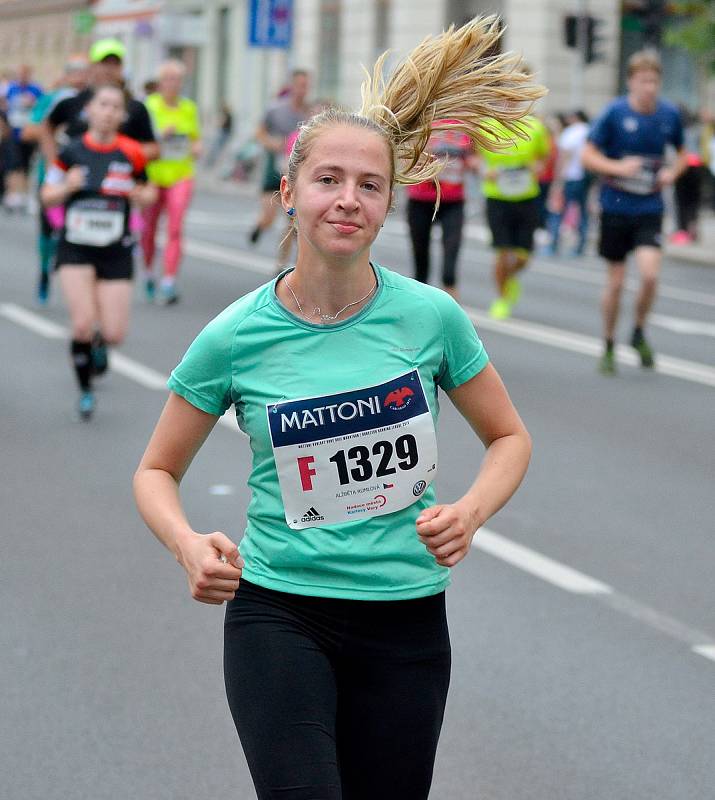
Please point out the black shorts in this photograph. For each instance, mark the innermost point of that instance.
(513, 222)
(110, 263)
(271, 176)
(25, 151)
(621, 233)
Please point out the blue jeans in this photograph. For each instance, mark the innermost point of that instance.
(574, 192)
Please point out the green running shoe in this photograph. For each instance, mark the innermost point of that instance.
(500, 309)
(643, 349)
(607, 364)
(512, 290)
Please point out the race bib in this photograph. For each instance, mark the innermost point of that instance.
(97, 222)
(644, 182)
(514, 182)
(453, 171)
(360, 453)
(176, 147)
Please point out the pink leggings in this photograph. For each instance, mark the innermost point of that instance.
(176, 198)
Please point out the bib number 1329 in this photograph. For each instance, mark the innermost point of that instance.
(361, 463)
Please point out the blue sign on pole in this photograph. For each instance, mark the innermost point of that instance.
(271, 23)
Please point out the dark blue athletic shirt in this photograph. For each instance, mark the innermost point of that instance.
(620, 131)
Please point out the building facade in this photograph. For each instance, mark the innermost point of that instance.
(42, 33)
(330, 38)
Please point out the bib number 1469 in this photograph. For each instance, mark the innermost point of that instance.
(405, 449)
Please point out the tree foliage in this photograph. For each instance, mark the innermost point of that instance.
(693, 28)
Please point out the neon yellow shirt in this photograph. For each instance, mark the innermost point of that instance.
(176, 162)
(515, 167)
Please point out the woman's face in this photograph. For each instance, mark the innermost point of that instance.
(342, 192)
(106, 110)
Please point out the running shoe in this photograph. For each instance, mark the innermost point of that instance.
(254, 236)
(643, 349)
(168, 294)
(500, 308)
(43, 289)
(99, 359)
(607, 364)
(512, 290)
(86, 405)
(149, 290)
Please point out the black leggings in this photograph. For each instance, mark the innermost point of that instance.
(451, 217)
(337, 699)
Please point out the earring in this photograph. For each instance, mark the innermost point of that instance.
(291, 212)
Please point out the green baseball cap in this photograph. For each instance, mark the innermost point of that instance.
(106, 47)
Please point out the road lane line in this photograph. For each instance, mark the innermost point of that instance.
(145, 376)
(31, 321)
(689, 327)
(707, 650)
(534, 563)
(590, 346)
(488, 541)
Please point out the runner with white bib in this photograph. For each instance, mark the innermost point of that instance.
(96, 178)
(511, 188)
(336, 642)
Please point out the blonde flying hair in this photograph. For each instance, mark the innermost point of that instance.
(454, 76)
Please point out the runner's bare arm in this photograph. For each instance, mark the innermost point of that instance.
(144, 195)
(670, 174)
(448, 530)
(272, 143)
(179, 434)
(595, 161)
(60, 184)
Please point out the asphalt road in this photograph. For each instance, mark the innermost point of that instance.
(583, 622)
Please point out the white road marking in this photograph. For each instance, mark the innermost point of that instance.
(691, 327)
(145, 376)
(221, 489)
(530, 561)
(707, 650)
(517, 555)
(590, 346)
(31, 321)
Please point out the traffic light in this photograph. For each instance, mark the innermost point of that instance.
(582, 32)
(594, 41)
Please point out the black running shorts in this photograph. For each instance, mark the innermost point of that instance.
(622, 233)
(512, 223)
(110, 263)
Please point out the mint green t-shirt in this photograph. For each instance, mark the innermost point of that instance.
(260, 357)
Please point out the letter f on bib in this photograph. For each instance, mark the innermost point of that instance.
(306, 472)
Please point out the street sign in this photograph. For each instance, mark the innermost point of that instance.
(270, 23)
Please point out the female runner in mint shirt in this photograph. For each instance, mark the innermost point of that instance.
(337, 652)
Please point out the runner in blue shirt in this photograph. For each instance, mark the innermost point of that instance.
(21, 97)
(627, 147)
(337, 653)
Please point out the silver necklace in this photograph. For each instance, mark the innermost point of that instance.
(327, 317)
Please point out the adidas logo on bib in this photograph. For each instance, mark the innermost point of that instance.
(312, 515)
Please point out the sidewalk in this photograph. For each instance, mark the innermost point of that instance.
(701, 252)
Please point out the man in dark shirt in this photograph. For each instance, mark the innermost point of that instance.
(627, 147)
(106, 57)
